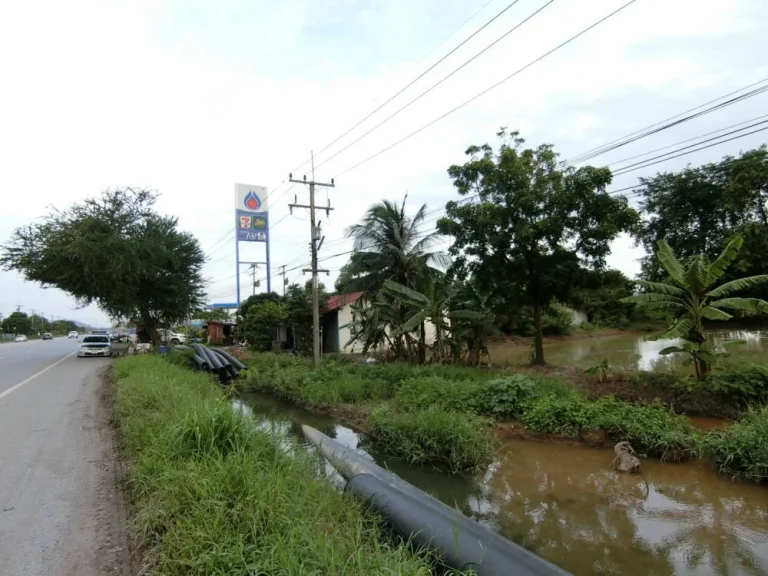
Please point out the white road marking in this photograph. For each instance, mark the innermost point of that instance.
(43, 371)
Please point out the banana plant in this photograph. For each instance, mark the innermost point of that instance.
(692, 295)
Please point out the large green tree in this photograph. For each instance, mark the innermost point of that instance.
(533, 226)
(118, 252)
(17, 323)
(699, 209)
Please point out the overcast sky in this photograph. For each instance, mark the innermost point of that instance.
(189, 97)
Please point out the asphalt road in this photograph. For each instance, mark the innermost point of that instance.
(60, 510)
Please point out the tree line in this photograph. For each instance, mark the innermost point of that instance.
(529, 235)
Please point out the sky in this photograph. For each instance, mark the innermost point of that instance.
(190, 97)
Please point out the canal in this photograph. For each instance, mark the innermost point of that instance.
(566, 503)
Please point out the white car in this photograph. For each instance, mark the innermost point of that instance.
(95, 345)
(21, 338)
(73, 334)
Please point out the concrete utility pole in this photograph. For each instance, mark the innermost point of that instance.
(253, 278)
(316, 242)
(285, 280)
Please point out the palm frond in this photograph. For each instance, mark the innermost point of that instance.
(670, 262)
(696, 275)
(411, 324)
(747, 304)
(661, 288)
(729, 253)
(738, 285)
(671, 350)
(400, 290)
(712, 313)
(644, 299)
(678, 330)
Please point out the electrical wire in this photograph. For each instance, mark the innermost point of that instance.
(412, 82)
(575, 158)
(660, 126)
(436, 84)
(497, 84)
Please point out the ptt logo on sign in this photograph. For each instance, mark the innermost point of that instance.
(252, 201)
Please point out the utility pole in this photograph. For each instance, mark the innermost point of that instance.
(253, 277)
(32, 319)
(316, 242)
(285, 280)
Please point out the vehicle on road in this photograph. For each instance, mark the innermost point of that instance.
(171, 337)
(95, 345)
(21, 338)
(73, 334)
(47, 336)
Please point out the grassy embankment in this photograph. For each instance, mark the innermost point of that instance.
(445, 415)
(210, 494)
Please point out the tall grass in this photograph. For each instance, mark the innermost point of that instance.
(460, 441)
(742, 449)
(211, 494)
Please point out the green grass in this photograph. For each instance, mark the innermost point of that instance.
(211, 494)
(439, 414)
(459, 441)
(742, 449)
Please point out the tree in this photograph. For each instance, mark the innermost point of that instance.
(298, 303)
(259, 327)
(117, 252)
(389, 245)
(17, 323)
(698, 210)
(533, 227)
(256, 299)
(691, 296)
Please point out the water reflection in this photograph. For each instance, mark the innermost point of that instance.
(627, 352)
(566, 504)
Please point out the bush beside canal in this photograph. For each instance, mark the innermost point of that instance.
(742, 449)
(211, 494)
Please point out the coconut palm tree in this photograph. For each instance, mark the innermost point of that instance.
(390, 245)
(691, 297)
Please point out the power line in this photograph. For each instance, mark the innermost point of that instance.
(633, 167)
(436, 84)
(497, 84)
(660, 126)
(411, 83)
(687, 140)
(574, 159)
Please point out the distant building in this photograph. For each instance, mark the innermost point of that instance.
(335, 335)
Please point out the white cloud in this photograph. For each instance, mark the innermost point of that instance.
(190, 97)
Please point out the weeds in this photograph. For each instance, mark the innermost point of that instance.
(458, 440)
(212, 495)
(742, 449)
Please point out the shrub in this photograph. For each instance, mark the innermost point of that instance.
(458, 440)
(651, 429)
(742, 449)
(742, 384)
(435, 391)
(506, 397)
(559, 414)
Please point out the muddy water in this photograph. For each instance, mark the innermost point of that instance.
(626, 352)
(567, 505)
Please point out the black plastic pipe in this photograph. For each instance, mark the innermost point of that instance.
(392, 497)
(460, 543)
(199, 363)
(213, 360)
(232, 360)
